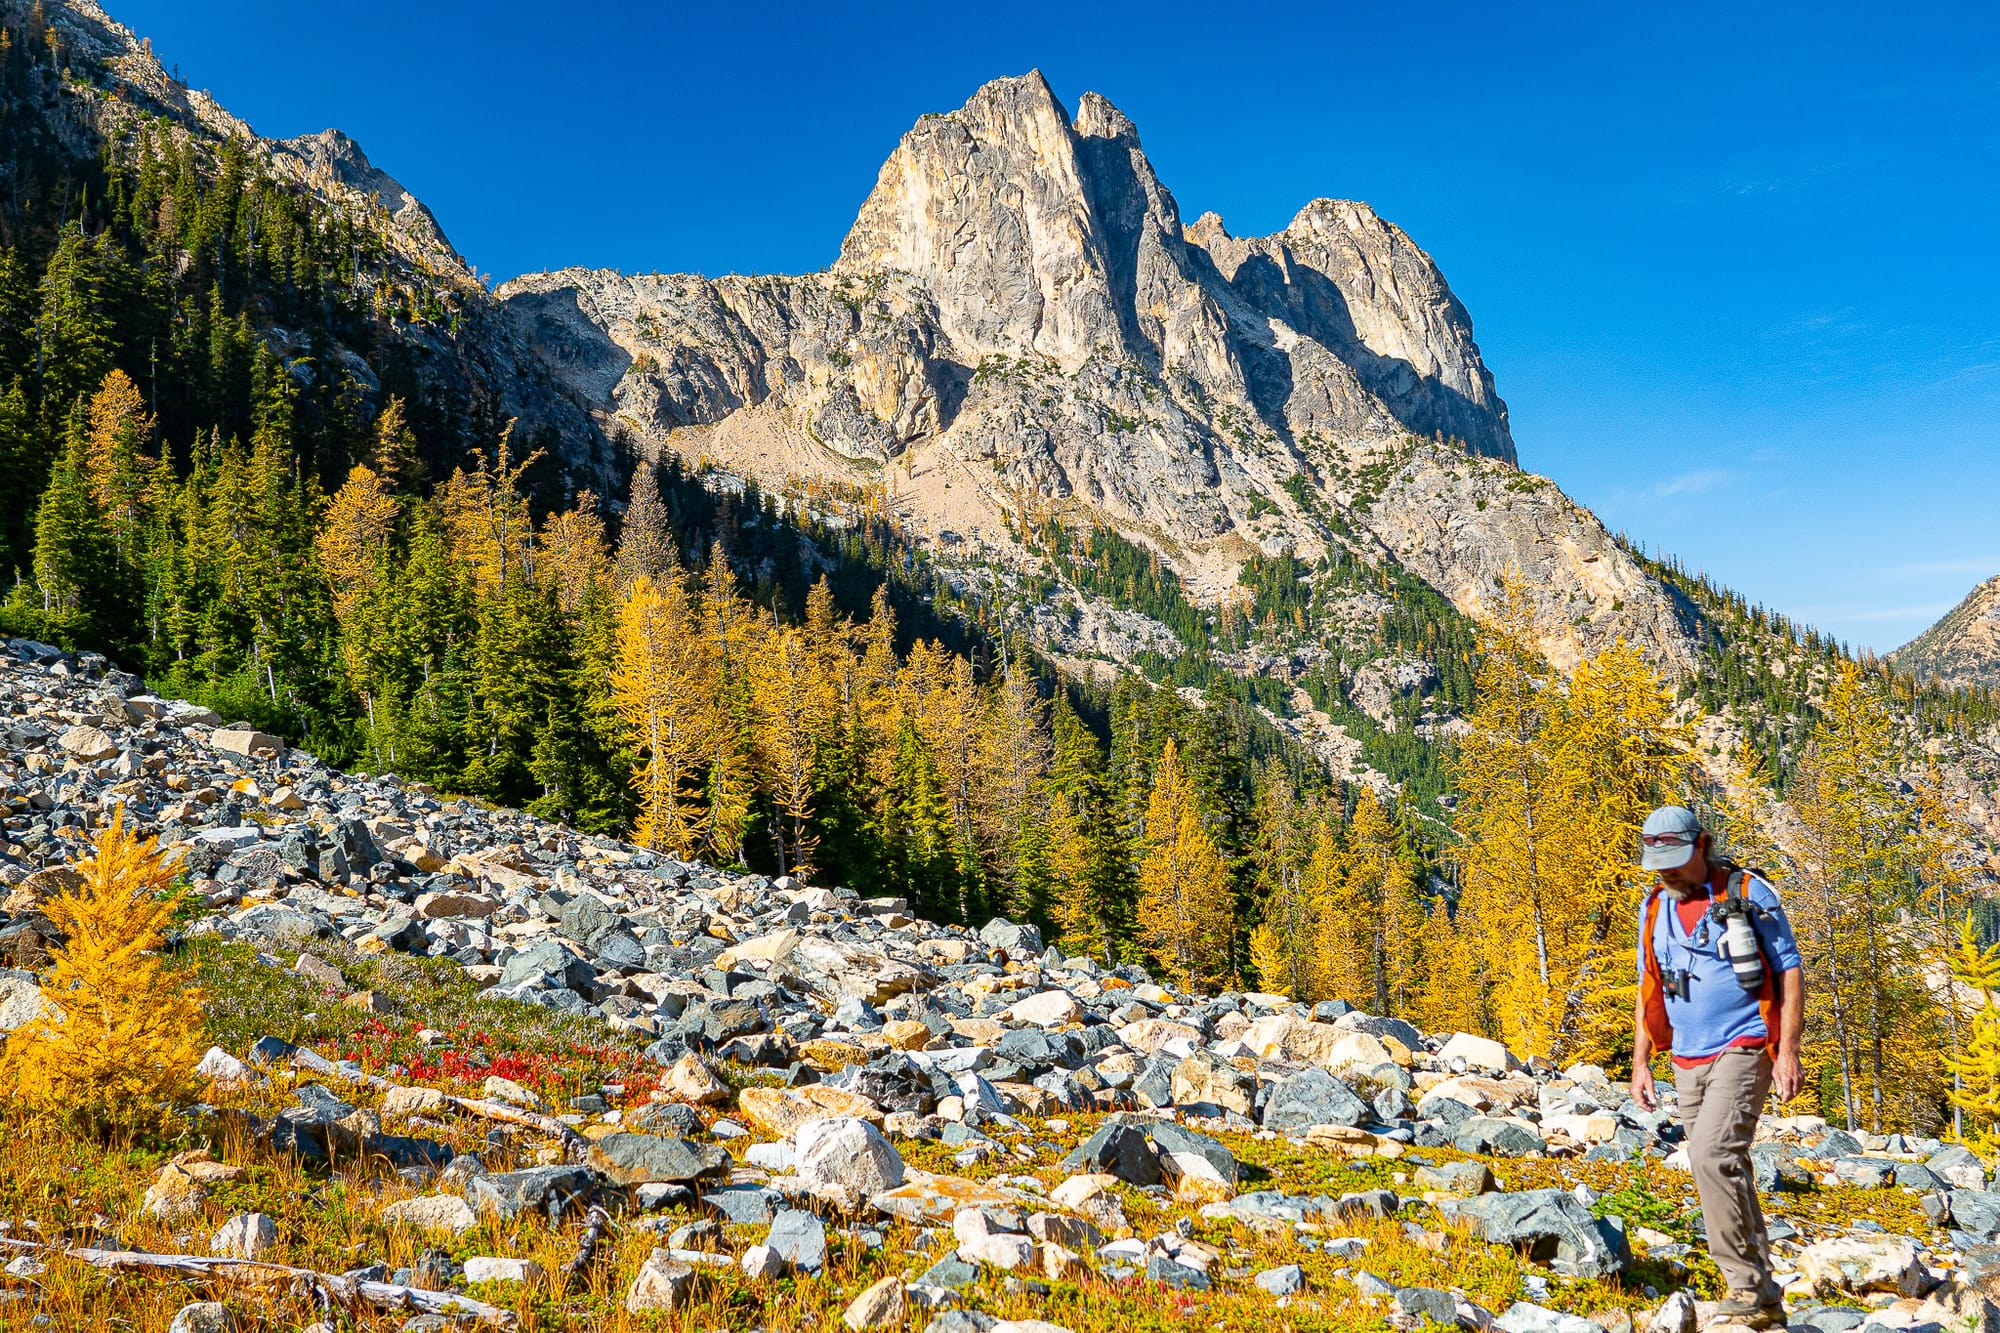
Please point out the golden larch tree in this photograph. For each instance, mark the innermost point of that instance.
(1554, 784)
(729, 629)
(663, 685)
(353, 546)
(115, 1049)
(1185, 913)
(119, 470)
(1873, 1026)
(487, 521)
(1373, 919)
(575, 560)
(792, 708)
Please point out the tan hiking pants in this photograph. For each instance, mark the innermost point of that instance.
(1719, 1105)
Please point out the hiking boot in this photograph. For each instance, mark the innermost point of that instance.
(1751, 1309)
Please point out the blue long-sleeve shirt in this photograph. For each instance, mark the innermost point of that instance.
(1718, 1012)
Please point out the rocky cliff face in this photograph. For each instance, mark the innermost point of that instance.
(1020, 325)
(1964, 647)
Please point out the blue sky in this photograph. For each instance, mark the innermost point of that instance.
(1733, 266)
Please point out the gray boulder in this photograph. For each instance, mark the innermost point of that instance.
(1500, 1138)
(799, 1238)
(1020, 942)
(1119, 1148)
(1313, 1097)
(1958, 1167)
(1549, 1226)
(639, 1159)
(1976, 1213)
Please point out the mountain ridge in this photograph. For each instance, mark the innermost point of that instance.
(1963, 647)
(1018, 326)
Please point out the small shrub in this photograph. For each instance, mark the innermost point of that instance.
(114, 1052)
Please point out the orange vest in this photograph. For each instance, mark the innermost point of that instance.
(1652, 987)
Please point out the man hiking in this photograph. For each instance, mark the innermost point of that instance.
(1720, 987)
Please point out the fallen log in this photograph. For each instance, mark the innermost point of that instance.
(349, 1292)
(598, 1221)
(514, 1115)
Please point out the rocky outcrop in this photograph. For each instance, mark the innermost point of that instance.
(330, 158)
(1964, 647)
(1021, 324)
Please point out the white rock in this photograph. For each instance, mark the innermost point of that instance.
(1478, 1053)
(978, 1095)
(486, 1268)
(432, 1212)
(1582, 1128)
(779, 1157)
(20, 1002)
(846, 1157)
(663, 1283)
(883, 1305)
(222, 1067)
(1356, 1052)
(761, 1261)
(1676, 1315)
(399, 1101)
(1523, 1317)
(88, 744)
(242, 835)
(508, 1091)
(245, 741)
(245, 1236)
(971, 1224)
(1864, 1263)
(1049, 1009)
(999, 1249)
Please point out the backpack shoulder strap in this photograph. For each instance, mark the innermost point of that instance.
(1651, 918)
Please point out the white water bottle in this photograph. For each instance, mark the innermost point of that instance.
(1739, 946)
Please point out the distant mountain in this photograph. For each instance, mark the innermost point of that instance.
(1020, 335)
(1964, 647)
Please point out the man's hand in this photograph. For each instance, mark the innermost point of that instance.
(1642, 1088)
(1787, 1076)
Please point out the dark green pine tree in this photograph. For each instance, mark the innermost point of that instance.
(18, 308)
(73, 333)
(83, 593)
(521, 664)
(24, 470)
(1077, 779)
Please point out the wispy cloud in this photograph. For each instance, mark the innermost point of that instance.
(1698, 482)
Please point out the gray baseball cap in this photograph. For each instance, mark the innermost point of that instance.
(1668, 838)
